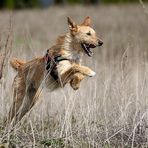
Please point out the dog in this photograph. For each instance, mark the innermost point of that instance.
(60, 65)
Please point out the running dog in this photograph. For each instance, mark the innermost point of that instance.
(60, 65)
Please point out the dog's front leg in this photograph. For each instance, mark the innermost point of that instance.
(76, 74)
(83, 70)
(78, 77)
(76, 80)
(76, 68)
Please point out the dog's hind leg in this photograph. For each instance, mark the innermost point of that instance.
(33, 74)
(19, 88)
(27, 103)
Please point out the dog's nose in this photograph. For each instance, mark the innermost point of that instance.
(100, 43)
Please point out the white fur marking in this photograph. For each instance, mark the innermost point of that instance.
(63, 66)
(92, 74)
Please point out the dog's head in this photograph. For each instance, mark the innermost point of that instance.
(84, 35)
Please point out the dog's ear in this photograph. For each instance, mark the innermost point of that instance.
(72, 25)
(87, 21)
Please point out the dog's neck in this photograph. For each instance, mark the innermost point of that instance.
(72, 49)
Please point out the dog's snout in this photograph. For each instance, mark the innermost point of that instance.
(100, 43)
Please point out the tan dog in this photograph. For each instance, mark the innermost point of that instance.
(60, 66)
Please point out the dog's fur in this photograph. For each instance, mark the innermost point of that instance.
(30, 75)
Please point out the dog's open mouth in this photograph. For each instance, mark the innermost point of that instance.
(87, 48)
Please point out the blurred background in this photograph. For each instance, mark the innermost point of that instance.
(19, 4)
(109, 110)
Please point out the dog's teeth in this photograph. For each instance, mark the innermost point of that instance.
(87, 49)
(90, 53)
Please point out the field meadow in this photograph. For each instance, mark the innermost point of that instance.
(109, 110)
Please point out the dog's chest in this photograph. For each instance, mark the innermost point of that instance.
(75, 56)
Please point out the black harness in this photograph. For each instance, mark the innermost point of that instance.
(51, 64)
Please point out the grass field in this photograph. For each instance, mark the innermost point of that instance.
(109, 110)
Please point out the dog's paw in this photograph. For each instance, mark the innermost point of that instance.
(75, 83)
(75, 87)
(91, 73)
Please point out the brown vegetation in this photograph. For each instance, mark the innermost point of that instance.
(109, 109)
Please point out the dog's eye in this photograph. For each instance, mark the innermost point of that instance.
(88, 33)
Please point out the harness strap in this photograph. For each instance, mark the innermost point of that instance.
(51, 64)
(59, 58)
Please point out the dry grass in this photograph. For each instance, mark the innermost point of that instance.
(108, 110)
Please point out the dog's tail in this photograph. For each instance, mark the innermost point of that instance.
(16, 63)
